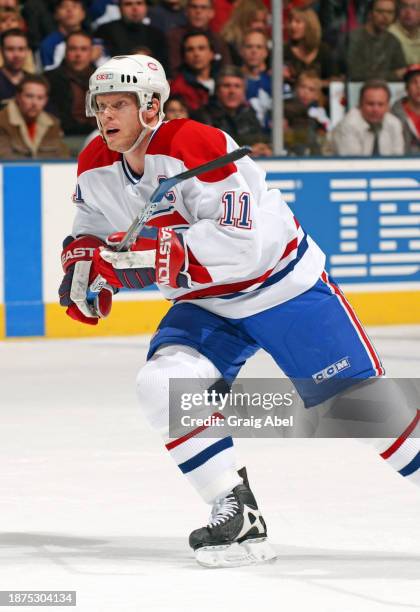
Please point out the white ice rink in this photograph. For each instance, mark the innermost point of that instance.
(91, 502)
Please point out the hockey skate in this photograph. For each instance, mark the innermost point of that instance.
(236, 533)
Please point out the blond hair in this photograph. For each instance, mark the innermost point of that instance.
(312, 75)
(241, 20)
(312, 34)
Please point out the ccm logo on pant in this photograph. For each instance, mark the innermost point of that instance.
(331, 370)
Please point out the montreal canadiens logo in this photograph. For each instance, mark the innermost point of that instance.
(152, 66)
(104, 76)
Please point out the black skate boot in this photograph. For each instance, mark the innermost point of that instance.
(236, 533)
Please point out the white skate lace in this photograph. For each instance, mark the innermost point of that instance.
(223, 510)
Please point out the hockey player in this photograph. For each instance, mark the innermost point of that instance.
(240, 270)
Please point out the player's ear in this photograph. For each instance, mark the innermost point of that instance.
(153, 109)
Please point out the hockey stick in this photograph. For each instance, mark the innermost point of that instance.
(157, 196)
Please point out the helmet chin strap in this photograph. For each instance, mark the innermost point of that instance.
(143, 133)
(146, 129)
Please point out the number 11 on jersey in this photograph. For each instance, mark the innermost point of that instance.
(237, 211)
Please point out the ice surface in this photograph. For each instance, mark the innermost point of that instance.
(91, 502)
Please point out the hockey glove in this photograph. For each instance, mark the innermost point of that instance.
(76, 260)
(163, 261)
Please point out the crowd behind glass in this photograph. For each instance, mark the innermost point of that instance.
(351, 71)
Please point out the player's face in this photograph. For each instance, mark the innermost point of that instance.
(254, 50)
(197, 53)
(413, 89)
(231, 92)
(15, 52)
(119, 117)
(133, 10)
(374, 105)
(32, 100)
(79, 52)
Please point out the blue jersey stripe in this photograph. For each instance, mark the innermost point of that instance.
(205, 455)
(411, 467)
(22, 227)
(278, 276)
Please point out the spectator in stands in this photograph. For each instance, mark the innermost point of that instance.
(167, 15)
(373, 52)
(306, 121)
(407, 29)
(123, 35)
(301, 132)
(9, 5)
(247, 15)
(370, 129)
(288, 6)
(175, 108)
(408, 110)
(196, 79)
(38, 15)
(69, 84)
(305, 50)
(223, 10)
(69, 15)
(13, 20)
(15, 51)
(230, 112)
(309, 93)
(26, 130)
(199, 14)
(254, 54)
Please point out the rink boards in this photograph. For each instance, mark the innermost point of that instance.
(365, 214)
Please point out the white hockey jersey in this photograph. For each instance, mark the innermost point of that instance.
(246, 251)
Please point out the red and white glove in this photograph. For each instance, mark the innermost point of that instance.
(76, 260)
(162, 261)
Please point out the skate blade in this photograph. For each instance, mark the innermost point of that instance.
(249, 552)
